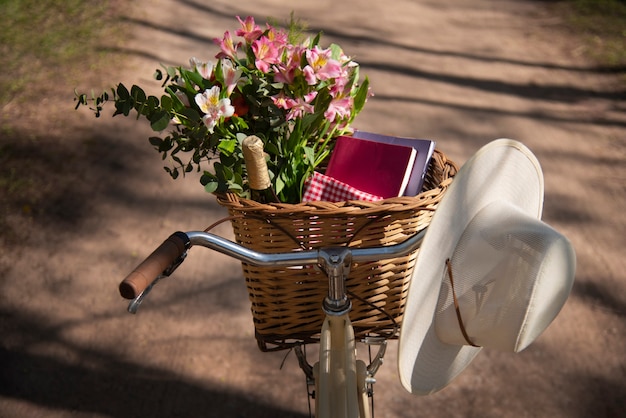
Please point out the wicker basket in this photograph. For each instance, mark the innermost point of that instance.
(286, 302)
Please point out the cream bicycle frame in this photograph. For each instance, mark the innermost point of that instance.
(339, 377)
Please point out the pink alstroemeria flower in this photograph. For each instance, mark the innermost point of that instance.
(309, 75)
(227, 46)
(231, 76)
(265, 53)
(339, 109)
(285, 74)
(278, 37)
(321, 64)
(283, 102)
(301, 106)
(213, 107)
(287, 70)
(249, 30)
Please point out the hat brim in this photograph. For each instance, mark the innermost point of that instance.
(505, 170)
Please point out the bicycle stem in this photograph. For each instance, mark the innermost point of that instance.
(336, 261)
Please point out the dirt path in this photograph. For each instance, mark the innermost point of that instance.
(463, 75)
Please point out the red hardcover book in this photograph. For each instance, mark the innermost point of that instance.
(424, 147)
(377, 168)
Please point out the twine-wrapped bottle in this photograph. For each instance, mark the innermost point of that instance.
(261, 189)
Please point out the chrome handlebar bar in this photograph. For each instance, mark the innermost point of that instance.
(335, 261)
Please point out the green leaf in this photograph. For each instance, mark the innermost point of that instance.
(160, 121)
(219, 171)
(336, 51)
(125, 106)
(361, 96)
(316, 40)
(236, 184)
(310, 155)
(238, 179)
(321, 157)
(293, 143)
(280, 185)
(166, 102)
(155, 141)
(228, 160)
(138, 94)
(172, 172)
(122, 92)
(171, 71)
(207, 177)
(152, 103)
(193, 77)
(227, 146)
(227, 172)
(211, 186)
(190, 114)
(176, 159)
(176, 103)
(272, 148)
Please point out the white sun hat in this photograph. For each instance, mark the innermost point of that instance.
(489, 273)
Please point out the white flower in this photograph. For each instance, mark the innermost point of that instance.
(213, 107)
(205, 69)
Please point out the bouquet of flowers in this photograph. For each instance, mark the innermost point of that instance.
(270, 82)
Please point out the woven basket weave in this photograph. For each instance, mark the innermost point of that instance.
(287, 302)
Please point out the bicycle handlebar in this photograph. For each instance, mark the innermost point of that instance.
(173, 250)
(157, 263)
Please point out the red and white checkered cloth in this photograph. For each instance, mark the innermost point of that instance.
(322, 187)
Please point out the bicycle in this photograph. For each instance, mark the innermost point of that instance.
(338, 381)
(505, 301)
(340, 384)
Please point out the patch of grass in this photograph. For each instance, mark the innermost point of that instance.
(602, 24)
(45, 47)
(49, 42)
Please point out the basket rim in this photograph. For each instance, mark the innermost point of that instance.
(424, 200)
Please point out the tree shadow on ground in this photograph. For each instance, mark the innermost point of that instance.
(117, 388)
(48, 180)
(53, 184)
(51, 187)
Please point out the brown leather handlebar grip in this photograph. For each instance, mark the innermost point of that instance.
(160, 259)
